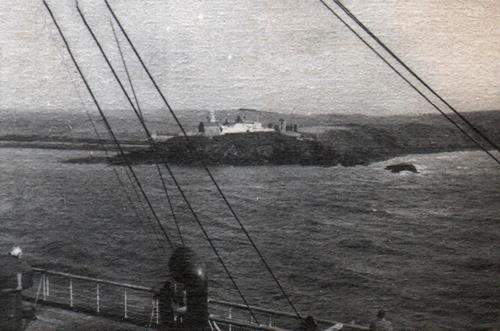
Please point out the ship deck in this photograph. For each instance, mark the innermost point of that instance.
(73, 302)
(57, 319)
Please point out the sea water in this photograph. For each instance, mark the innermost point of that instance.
(344, 242)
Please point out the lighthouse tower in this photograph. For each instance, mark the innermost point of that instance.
(211, 116)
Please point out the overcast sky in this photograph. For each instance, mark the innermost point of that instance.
(277, 55)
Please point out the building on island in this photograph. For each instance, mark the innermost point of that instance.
(213, 128)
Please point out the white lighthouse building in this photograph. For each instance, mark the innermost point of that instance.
(214, 128)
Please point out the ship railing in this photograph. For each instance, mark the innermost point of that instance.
(270, 319)
(116, 300)
(139, 304)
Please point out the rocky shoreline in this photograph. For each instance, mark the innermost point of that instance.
(263, 149)
(326, 140)
(243, 149)
(247, 149)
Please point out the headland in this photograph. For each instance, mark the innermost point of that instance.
(324, 140)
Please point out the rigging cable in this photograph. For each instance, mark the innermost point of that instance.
(102, 143)
(107, 124)
(412, 72)
(127, 195)
(129, 199)
(122, 184)
(411, 84)
(118, 45)
(221, 193)
(167, 166)
(141, 117)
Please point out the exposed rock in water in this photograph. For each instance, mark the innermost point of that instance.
(396, 168)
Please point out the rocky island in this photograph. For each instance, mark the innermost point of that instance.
(259, 148)
(323, 140)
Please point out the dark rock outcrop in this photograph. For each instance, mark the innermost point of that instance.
(396, 168)
(245, 149)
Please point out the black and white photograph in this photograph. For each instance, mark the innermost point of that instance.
(264, 165)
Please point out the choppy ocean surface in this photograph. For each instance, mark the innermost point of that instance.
(343, 241)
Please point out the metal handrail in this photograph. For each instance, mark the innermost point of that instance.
(233, 322)
(69, 295)
(95, 280)
(273, 314)
(282, 313)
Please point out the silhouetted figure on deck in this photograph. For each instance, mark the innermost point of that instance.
(201, 127)
(166, 296)
(15, 275)
(381, 324)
